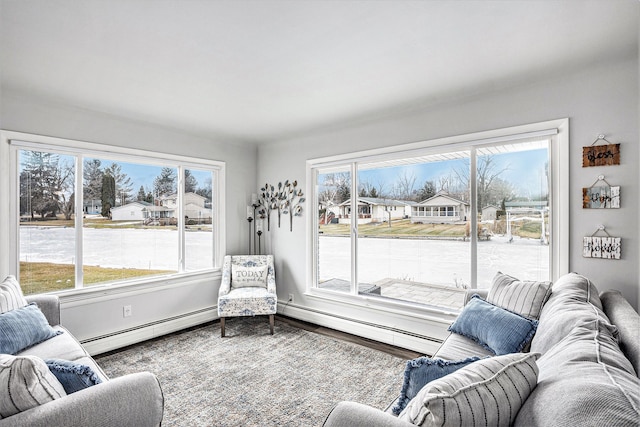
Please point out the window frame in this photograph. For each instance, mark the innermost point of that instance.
(12, 142)
(559, 197)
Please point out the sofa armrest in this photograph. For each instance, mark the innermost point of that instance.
(49, 305)
(352, 414)
(621, 314)
(130, 400)
(471, 292)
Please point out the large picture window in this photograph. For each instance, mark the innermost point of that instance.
(421, 226)
(87, 217)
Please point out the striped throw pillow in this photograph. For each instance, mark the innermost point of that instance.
(523, 297)
(28, 381)
(11, 295)
(488, 392)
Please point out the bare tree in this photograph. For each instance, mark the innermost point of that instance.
(487, 171)
(404, 187)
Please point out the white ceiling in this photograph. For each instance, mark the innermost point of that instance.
(260, 71)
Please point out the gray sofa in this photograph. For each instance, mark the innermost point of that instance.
(130, 400)
(588, 368)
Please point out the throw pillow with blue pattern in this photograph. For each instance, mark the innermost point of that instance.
(422, 371)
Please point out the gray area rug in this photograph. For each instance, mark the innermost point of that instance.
(251, 378)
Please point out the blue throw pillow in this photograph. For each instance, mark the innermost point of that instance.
(422, 371)
(73, 376)
(22, 328)
(493, 327)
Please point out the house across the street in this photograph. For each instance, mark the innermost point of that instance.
(439, 209)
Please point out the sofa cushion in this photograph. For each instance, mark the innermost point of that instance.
(423, 370)
(243, 276)
(582, 363)
(494, 327)
(22, 328)
(73, 376)
(62, 346)
(11, 296)
(525, 297)
(457, 347)
(487, 392)
(26, 382)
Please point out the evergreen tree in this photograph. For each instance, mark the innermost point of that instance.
(427, 191)
(124, 186)
(108, 196)
(92, 175)
(190, 182)
(39, 182)
(142, 195)
(165, 183)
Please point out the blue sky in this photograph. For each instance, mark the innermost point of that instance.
(525, 170)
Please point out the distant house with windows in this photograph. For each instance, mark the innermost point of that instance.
(134, 211)
(372, 209)
(92, 207)
(194, 205)
(439, 209)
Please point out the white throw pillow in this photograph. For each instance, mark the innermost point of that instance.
(11, 295)
(249, 276)
(26, 382)
(524, 297)
(487, 392)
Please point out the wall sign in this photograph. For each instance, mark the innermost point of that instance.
(603, 196)
(601, 155)
(602, 247)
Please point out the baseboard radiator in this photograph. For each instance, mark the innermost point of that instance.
(126, 337)
(382, 333)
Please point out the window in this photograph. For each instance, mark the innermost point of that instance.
(442, 219)
(141, 214)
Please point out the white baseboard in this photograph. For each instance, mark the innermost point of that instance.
(392, 336)
(144, 332)
(396, 337)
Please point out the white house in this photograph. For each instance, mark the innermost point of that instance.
(439, 209)
(194, 205)
(134, 211)
(372, 209)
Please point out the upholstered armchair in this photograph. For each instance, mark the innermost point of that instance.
(248, 288)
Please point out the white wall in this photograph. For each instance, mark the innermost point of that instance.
(101, 313)
(602, 98)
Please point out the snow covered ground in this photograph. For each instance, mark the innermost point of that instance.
(441, 262)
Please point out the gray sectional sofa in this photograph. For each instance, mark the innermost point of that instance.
(589, 346)
(130, 400)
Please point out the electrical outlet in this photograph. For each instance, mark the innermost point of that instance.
(126, 311)
(290, 298)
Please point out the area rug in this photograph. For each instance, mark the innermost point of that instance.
(251, 378)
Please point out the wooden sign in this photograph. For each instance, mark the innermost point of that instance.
(601, 247)
(605, 197)
(601, 155)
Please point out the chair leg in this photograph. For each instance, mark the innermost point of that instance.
(222, 327)
(271, 321)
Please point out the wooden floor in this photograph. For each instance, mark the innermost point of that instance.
(386, 348)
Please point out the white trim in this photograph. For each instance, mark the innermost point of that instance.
(387, 335)
(136, 335)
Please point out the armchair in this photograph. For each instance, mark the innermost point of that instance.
(248, 288)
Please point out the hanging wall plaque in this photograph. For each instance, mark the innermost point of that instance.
(601, 195)
(601, 155)
(601, 247)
